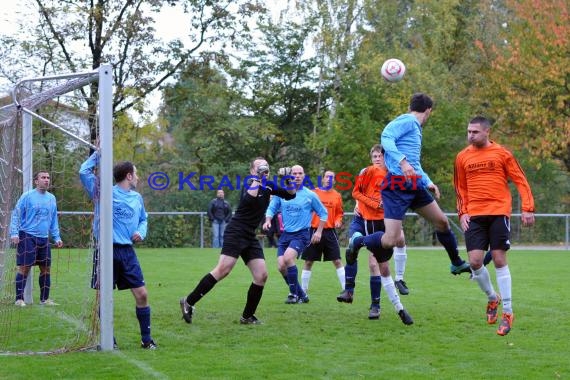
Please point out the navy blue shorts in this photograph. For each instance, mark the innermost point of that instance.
(488, 231)
(397, 201)
(240, 243)
(327, 249)
(127, 272)
(368, 227)
(356, 224)
(365, 227)
(296, 240)
(32, 250)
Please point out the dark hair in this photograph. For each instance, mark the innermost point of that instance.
(121, 169)
(420, 102)
(36, 174)
(486, 123)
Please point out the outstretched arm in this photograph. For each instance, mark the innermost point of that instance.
(87, 174)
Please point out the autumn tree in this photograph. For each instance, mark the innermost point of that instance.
(433, 40)
(526, 84)
(278, 83)
(78, 35)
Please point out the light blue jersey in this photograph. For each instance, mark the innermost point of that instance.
(402, 138)
(129, 214)
(36, 214)
(298, 212)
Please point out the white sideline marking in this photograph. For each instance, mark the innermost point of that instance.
(141, 365)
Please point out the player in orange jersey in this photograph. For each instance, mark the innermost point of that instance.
(328, 248)
(482, 171)
(368, 219)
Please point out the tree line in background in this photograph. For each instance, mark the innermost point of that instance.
(304, 87)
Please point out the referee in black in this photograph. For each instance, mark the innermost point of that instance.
(240, 240)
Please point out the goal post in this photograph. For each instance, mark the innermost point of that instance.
(106, 206)
(48, 126)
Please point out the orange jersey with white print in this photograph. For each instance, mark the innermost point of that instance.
(367, 192)
(332, 200)
(480, 180)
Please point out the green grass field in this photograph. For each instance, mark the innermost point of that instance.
(325, 339)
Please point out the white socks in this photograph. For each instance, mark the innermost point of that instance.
(305, 278)
(341, 278)
(504, 284)
(400, 258)
(390, 288)
(482, 277)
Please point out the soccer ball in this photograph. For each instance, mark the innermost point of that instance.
(393, 70)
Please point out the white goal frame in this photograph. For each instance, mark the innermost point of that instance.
(104, 76)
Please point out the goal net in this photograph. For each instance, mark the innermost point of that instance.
(48, 127)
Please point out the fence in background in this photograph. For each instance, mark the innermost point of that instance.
(192, 229)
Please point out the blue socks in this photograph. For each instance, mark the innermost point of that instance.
(449, 242)
(45, 284)
(293, 282)
(375, 288)
(20, 285)
(372, 242)
(350, 271)
(143, 315)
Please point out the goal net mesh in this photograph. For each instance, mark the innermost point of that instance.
(63, 114)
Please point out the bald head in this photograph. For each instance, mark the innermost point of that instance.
(298, 173)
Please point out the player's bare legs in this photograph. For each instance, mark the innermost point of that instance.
(288, 268)
(224, 267)
(258, 270)
(393, 235)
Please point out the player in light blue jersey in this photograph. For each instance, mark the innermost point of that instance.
(297, 214)
(402, 142)
(129, 227)
(408, 186)
(34, 220)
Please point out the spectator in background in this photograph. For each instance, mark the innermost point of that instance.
(219, 214)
